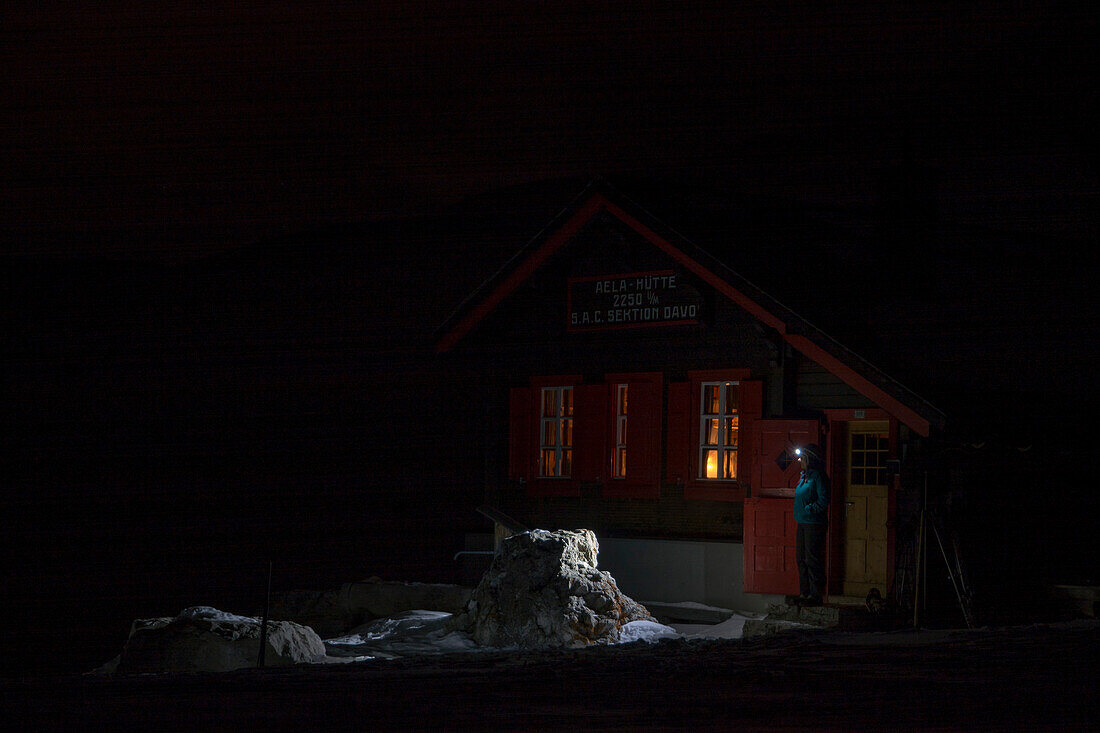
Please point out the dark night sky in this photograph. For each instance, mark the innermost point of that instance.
(189, 126)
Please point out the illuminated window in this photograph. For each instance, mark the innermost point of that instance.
(618, 470)
(556, 441)
(869, 451)
(718, 425)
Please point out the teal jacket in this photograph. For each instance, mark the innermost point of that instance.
(811, 498)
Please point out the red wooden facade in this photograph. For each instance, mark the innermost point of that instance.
(652, 387)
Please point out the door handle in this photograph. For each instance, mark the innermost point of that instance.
(848, 505)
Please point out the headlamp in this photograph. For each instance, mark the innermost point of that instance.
(798, 451)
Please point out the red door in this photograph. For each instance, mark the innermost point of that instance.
(769, 565)
(769, 536)
(775, 470)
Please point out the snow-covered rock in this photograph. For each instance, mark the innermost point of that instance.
(648, 631)
(544, 590)
(405, 634)
(204, 639)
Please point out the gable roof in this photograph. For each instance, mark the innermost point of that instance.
(855, 371)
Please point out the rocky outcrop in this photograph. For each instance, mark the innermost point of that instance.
(204, 639)
(544, 590)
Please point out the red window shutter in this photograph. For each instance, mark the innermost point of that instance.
(749, 408)
(590, 432)
(563, 486)
(644, 436)
(752, 409)
(521, 434)
(678, 461)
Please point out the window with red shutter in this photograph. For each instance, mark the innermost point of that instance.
(634, 417)
(678, 443)
(520, 434)
(591, 433)
(556, 420)
(550, 453)
(620, 393)
(710, 420)
(719, 429)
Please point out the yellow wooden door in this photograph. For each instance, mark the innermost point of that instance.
(866, 507)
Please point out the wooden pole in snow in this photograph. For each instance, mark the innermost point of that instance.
(263, 621)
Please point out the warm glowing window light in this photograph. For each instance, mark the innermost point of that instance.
(556, 435)
(718, 430)
(618, 468)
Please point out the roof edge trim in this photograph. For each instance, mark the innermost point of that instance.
(861, 384)
(552, 244)
(777, 316)
(701, 271)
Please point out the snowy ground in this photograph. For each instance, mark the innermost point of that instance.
(418, 633)
(1040, 677)
(424, 632)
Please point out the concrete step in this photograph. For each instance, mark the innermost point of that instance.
(788, 617)
(821, 616)
(854, 617)
(860, 601)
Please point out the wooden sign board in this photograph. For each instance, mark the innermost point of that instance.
(632, 300)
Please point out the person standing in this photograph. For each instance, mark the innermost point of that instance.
(811, 514)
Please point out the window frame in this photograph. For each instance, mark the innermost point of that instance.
(620, 399)
(559, 420)
(750, 409)
(721, 447)
(644, 435)
(538, 485)
(881, 451)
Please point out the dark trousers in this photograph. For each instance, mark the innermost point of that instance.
(809, 552)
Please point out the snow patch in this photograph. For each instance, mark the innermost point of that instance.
(649, 631)
(213, 614)
(430, 632)
(401, 635)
